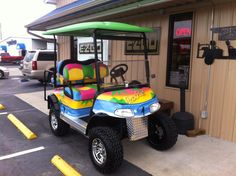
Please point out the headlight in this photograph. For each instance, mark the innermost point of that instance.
(154, 107)
(124, 112)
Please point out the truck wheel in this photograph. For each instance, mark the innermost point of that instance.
(105, 149)
(50, 75)
(162, 132)
(41, 81)
(1, 74)
(58, 126)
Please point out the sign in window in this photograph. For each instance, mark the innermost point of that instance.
(136, 47)
(179, 50)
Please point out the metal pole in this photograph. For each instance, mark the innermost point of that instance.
(102, 50)
(146, 58)
(55, 61)
(96, 61)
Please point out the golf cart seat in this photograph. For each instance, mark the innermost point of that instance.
(82, 72)
(79, 93)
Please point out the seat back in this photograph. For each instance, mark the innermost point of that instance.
(60, 66)
(76, 71)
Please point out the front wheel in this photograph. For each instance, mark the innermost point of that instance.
(162, 132)
(105, 149)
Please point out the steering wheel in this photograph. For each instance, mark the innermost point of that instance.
(118, 71)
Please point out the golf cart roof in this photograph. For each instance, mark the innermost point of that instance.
(87, 29)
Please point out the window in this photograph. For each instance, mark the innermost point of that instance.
(179, 49)
(29, 56)
(46, 56)
(84, 49)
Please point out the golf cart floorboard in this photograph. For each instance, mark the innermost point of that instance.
(78, 123)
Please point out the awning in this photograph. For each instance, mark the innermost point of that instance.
(20, 46)
(3, 47)
(93, 10)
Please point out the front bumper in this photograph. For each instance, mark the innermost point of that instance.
(33, 74)
(137, 128)
(6, 74)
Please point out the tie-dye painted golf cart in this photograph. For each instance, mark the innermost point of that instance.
(102, 100)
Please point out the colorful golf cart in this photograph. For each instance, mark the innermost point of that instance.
(90, 98)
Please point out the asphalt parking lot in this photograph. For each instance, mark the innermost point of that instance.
(17, 83)
(200, 156)
(72, 148)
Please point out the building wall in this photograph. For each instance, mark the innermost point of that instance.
(63, 47)
(221, 121)
(63, 42)
(12, 49)
(38, 44)
(222, 96)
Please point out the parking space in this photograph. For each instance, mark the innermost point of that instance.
(73, 147)
(17, 83)
(190, 156)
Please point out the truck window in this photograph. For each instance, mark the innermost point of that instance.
(46, 56)
(29, 56)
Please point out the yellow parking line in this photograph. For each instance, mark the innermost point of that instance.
(63, 166)
(26, 131)
(2, 107)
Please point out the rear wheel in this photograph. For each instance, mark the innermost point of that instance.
(1, 74)
(162, 132)
(105, 149)
(58, 126)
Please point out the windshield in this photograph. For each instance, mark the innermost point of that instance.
(29, 56)
(125, 69)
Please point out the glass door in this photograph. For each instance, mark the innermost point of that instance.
(179, 50)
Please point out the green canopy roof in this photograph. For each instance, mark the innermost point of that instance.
(87, 28)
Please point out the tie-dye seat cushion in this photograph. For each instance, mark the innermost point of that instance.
(77, 72)
(81, 92)
(74, 72)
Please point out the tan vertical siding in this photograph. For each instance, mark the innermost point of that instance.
(222, 95)
(221, 102)
(64, 47)
(221, 121)
(229, 104)
(64, 42)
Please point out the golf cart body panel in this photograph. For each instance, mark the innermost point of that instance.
(138, 100)
(89, 97)
(81, 93)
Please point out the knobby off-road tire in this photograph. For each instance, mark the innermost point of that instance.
(58, 126)
(162, 132)
(105, 149)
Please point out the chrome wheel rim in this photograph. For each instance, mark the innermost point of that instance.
(99, 151)
(1, 74)
(54, 122)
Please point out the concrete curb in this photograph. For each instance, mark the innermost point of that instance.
(26, 131)
(2, 107)
(63, 166)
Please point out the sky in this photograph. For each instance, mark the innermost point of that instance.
(15, 14)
